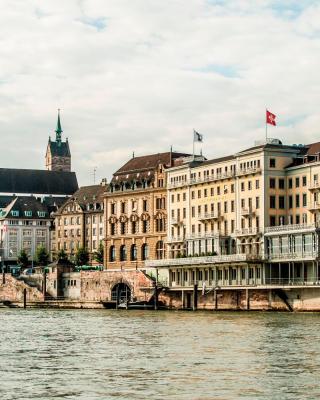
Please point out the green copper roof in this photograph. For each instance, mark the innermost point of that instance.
(58, 129)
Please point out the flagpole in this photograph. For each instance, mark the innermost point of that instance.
(266, 127)
(193, 147)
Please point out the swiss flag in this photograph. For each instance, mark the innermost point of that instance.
(270, 118)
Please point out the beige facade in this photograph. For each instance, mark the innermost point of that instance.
(247, 219)
(135, 212)
(79, 222)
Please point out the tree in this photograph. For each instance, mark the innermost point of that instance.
(98, 255)
(42, 256)
(23, 259)
(62, 255)
(82, 256)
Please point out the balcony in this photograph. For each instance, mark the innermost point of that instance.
(176, 221)
(246, 211)
(248, 231)
(249, 171)
(175, 239)
(297, 255)
(315, 206)
(211, 216)
(177, 184)
(289, 228)
(204, 235)
(314, 185)
(188, 261)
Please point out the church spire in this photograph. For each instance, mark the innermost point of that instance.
(58, 129)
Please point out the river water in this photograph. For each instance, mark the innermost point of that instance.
(109, 354)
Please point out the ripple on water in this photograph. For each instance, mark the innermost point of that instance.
(87, 354)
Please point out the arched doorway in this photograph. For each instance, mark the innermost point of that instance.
(122, 292)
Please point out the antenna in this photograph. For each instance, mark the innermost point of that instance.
(94, 174)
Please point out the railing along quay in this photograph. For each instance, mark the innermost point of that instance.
(228, 258)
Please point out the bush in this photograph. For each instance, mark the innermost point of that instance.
(82, 256)
(42, 256)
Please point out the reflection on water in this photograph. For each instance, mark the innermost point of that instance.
(80, 354)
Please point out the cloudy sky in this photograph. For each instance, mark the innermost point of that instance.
(139, 75)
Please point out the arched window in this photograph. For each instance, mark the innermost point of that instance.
(144, 252)
(112, 254)
(133, 253)
(123, 253)
(160, 250)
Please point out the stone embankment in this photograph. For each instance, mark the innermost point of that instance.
(96, 290)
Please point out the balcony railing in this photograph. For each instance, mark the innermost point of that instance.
(314, 206)
(289, 228)
(248, 171)
(314, 185)
(207, 178)
(204, 235)
(202, 260)
(176, 221)
(248, 231)
(246, 211)
(297, 255)
(175, 239)
(211, 215)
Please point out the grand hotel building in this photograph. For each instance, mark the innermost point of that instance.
(248, 219)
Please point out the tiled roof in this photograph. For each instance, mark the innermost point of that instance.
(89, 194)
(149, 162)
(143, 168)
(28, 207)
(37, 181)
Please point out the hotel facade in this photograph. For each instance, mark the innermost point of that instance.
(246, 220)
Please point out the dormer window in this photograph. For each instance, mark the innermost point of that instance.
(41, 214)
(28, 213)
(15, 213)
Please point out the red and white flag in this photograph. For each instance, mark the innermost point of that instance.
(270, 118)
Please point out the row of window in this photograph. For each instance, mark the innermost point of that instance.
(133, 205)
(133, 252)
(223, 228)
(77, 220)
(135, 227)
(219, 274)
(293, 201)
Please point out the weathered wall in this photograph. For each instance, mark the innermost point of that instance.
(13, 289)
(97, 285)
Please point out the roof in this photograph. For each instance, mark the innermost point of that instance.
(217, 160)
(89, 194)
(33, 181)
(143, 168)
(59, 149)
(149, 162)
(313, 148)
(28, 207)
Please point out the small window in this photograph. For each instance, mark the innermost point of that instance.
(304, 181)
(272, 162)
(272, 183)
(281, 183)
(272, 201)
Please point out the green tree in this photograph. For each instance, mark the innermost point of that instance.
(42, 256)
(62, 255)
(23, 260)
(98, 255)
(82, 256)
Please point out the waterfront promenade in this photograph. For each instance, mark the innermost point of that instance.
(96, 354)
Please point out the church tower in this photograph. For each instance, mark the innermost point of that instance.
(58, 156)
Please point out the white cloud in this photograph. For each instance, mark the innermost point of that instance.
(136, 75)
